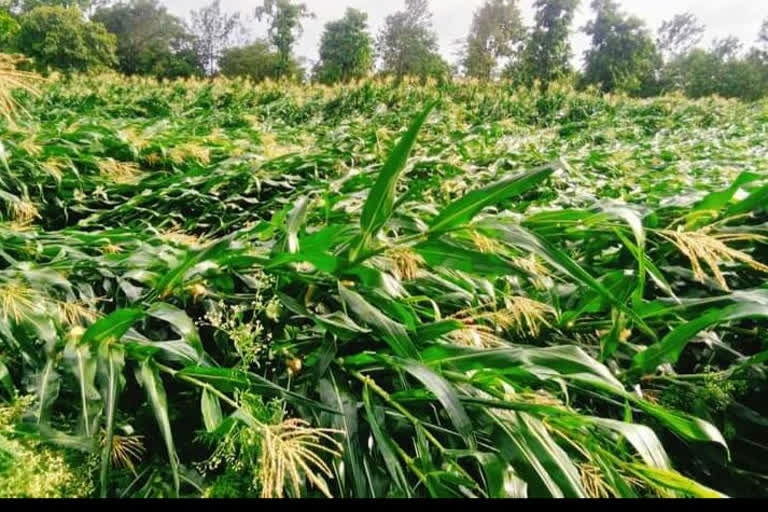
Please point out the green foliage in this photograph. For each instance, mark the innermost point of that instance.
(285, 27)
(150, 41)
(547, 53)
(388, 290)
(9, 29)
(215, 30)
(496, 32)
(30, 469)
(407, 44)
(258, 61)
(346, 49)
(62, 39)
(623, 56)
(702, 73)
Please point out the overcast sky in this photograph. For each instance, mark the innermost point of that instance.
(741, 18)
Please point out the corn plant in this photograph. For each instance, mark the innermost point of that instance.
(213, 288)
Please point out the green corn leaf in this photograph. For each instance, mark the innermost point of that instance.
(544, 363)
(462, 211)
(335, 395)
(294, 222)
(668, 350)
(385, 444)
(149, 378)
(378, 208)
(518, 237)
(669, 479)
(47, 386)
(642, 438)
(84, 366)
(210, 407)
(525, 444)
(685, 426)
(446, 395)
(112, 381)
(112, 327)
(757, 200)
(439, 253)
(392, 332)
(718, 200)
(180, 322)
(174, 278)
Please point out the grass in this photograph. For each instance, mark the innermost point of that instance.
(215, 288)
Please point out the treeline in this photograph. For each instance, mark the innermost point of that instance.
(140, 37)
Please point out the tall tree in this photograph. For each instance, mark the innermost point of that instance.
(408, 43)
(285, 25)
(346, 49)
(215, 31)
(61, 38)
(497, 29)
(623, 56)
(149, 38)
(727, 48)
(679, 35)
(547, 53)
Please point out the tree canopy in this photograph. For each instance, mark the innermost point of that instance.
(547, 53)
(150, 40)
(61, 38)
(346, 49)
(497, 29)
(623, 56)
(284, 18)
(408, 45)
(257, 61)
(215, 31)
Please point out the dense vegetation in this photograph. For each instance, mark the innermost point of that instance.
(212, 288)
(140, 37)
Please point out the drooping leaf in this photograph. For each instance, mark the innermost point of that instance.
(642, 438)
(111, 327)
(392, 332)
(172, 279)
(525, 443)
(335, 394)
(385, 444)
(463, 210)
(84, 366)
(668, 350)
(210, 407)
(518, 237)
(446, 395)
(670, 479)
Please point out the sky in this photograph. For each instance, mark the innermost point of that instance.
(452, 18)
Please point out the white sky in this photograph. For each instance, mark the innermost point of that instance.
(452, 18)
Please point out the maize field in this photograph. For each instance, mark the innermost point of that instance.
(212, 288)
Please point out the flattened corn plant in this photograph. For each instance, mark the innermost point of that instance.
(216, 288)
